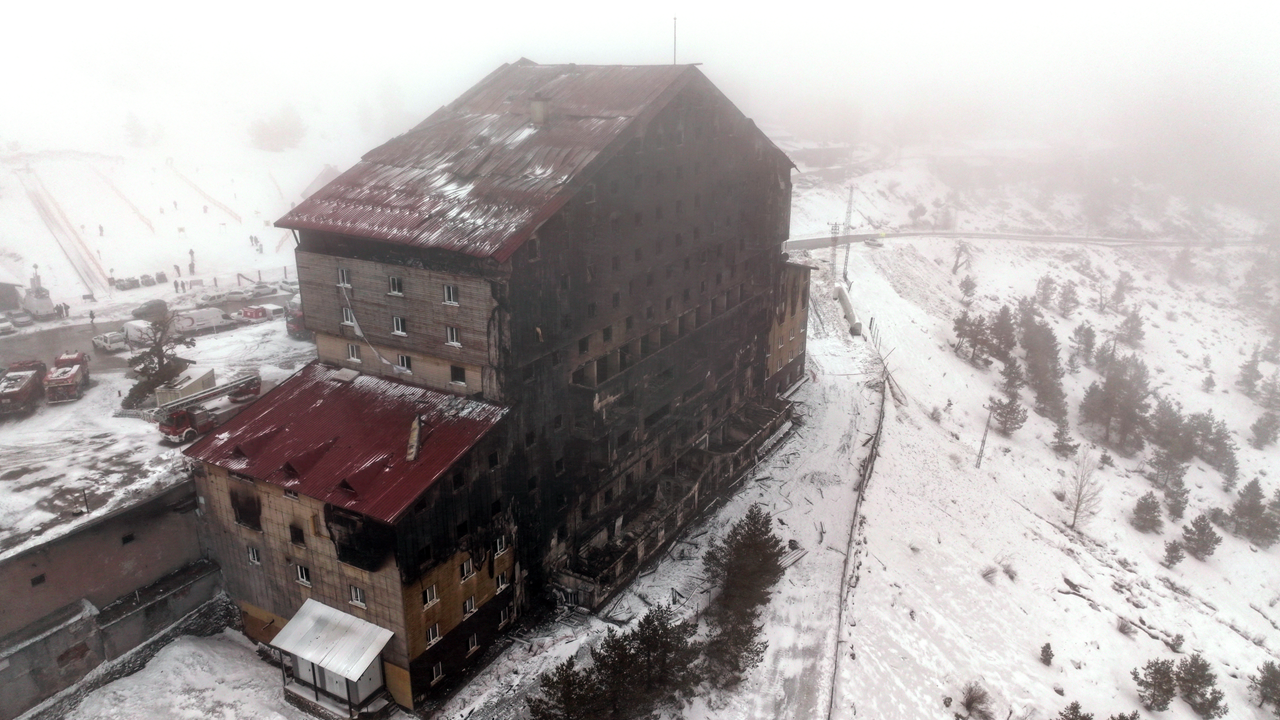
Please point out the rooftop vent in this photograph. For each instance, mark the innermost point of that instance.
(346, 375)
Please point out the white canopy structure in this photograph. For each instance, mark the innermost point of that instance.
(334, 652)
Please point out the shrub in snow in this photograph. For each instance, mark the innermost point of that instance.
(1167, 466)
(1266, 685)
(1198, 686)
(1068, 299)
(1209, 383)
(1157, 684)
(1074, 712)
(977, 702)
(1123, 716)
(989, 573)
(1175, 643)
(967, 286)
(1046, 654)
(1126, 628)
(1199, 539)
(1265, 430)
(1146, 514)
(1172, 553)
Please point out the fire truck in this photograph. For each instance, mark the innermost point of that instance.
(22, 387)
(182, 420)
(69, 378)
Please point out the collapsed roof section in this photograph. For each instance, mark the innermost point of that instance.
(366, 444)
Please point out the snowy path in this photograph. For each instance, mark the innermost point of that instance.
(92, 277)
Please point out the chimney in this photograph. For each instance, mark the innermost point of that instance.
(538, 109)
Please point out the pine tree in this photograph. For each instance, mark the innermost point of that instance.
(1068, 299)
(1198, 686)
(1146, 514)
(1157, 685)
(1250, 374)
(1004, 336)
(747, 563)
(1265, 429)
(1251, 517)
(961, 327)
(979, 338)
(664, 652)
(1199, 538)
(1046, 654)
(967, 286)
(1269, 392)
(1062, 444)
(1131, 332)
(1266, 685)
(1009, 414)
(1082, 340)
(1168, 429)
(1166, 467)
(1046, 287)
(1172, 553)
(614, 670)
(1125, 716)
(1074, 712)
(1123, 285)
(1175, 498)
(1209, 383)
(1013, 378)
(567, 694)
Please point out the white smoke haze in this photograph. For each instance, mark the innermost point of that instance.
(1188, 94)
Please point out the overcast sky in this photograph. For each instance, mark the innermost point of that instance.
(1204, 75)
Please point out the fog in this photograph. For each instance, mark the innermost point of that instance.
(1175, 94)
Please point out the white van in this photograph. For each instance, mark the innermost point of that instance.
(210, 298)
(199, 322)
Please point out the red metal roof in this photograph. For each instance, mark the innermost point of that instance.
(479, 176)
(343, 440)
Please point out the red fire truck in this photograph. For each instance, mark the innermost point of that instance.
(182, 420)
(69, 378)
(22, 387)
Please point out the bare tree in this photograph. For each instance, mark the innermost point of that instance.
(1084, 492)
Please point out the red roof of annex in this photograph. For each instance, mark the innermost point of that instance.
(479, 176)
(344, 440)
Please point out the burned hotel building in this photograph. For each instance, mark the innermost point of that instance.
(552, 321)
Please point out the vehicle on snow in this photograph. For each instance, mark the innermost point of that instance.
(151, 310)
(22, 386)
(111, 342)
(68, 379)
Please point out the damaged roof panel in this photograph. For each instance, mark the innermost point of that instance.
(479, 175)
(347, 438)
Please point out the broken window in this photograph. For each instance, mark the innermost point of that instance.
(247, 509)
(296, 536)
(457, 375)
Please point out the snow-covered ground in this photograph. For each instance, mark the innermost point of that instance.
(63, 457)
(192, 677)
(922, 620)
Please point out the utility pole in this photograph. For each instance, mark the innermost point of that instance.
(982, 448)
(835, 239)
(673, 41)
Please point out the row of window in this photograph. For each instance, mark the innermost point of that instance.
(400, 326)
(473, 643)
(457, 373)
(395, 286)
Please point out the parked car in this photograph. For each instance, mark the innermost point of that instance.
(238, 294)
(127, 283)
(20, 318)
(110, 342)
(288, 286)
(210, 298)
(161, 278)
(6, 327)
(262, 290)
(151, 310)
(147, 280)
